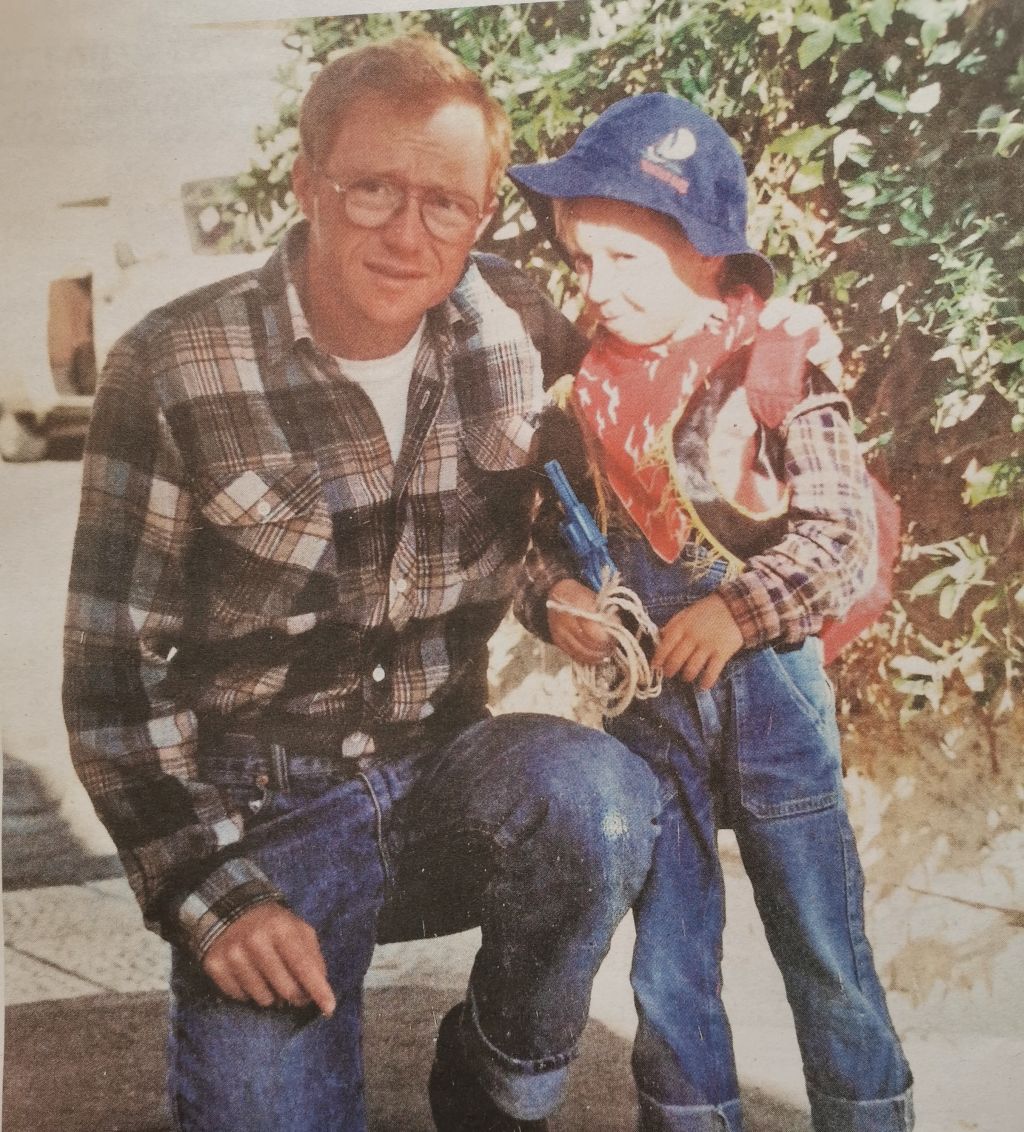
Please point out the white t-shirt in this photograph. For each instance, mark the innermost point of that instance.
(386, 382)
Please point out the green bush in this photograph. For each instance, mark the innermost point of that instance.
(884, 139)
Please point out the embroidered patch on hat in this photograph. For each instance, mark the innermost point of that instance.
(676, 146)
(671, 149)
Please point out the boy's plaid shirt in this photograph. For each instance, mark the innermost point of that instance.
(247, 555)
(826, 559)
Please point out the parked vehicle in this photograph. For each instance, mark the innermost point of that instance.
(101, 265)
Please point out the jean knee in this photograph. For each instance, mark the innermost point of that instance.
(603, 806)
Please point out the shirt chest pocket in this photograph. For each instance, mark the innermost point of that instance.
(267, 538)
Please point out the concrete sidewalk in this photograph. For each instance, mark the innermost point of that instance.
(86, 994)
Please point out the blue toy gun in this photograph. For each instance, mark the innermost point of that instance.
(581, 533)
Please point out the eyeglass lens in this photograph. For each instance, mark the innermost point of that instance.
(371, 202)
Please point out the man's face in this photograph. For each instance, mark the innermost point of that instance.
(368, 288)
(642, 279)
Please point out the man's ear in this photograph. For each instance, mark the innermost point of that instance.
(302, 184)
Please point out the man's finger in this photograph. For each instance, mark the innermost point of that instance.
(305, 961)
(279, 978)
(252, 982)
(226, 982)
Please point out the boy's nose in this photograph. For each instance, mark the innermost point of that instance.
(597, 284)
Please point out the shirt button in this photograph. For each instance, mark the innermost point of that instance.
(401, 585)
(378, 674)
(263, 509)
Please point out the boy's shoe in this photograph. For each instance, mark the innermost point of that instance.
(458, 1102)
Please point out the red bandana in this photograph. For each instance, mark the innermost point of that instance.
(630, 399)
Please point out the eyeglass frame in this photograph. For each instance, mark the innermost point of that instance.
(407, 192)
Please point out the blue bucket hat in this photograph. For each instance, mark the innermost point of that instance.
(659, 152)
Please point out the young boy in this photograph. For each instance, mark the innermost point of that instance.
(741, 514)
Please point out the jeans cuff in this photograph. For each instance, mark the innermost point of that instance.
(528, 1089)
(890, 1114)
(658, 1117)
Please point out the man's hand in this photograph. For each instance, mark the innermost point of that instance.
(796, 318)
(698, 641)
(271, 957)
(583, 640)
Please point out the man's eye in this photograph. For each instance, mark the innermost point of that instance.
(452, 205)
(373, 188)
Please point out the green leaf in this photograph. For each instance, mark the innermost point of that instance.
(944, 53)
(1009, 136)
(802, 143)
(931, 33)
(856, 80)
(891, 100)
(814, 46)
(880, 16)
(925, 98)
(808, 177)
(848, 29)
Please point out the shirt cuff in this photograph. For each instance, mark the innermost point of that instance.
(234, 887)
(752, 608)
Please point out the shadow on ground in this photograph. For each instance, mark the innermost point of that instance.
(97, 1065)
(39, 848)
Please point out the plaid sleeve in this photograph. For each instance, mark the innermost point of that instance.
(827, 557)
(132, 737)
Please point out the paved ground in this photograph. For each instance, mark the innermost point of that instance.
(85, 984)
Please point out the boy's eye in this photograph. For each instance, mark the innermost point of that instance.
(621, 257)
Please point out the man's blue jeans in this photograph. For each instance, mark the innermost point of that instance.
(760, 752)
(537, 829)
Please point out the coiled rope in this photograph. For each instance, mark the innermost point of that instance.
(627, 674)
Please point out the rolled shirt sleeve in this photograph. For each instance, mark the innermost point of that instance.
(828, 556)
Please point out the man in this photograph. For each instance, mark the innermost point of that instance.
(307, 495)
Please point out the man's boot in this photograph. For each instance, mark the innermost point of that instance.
(457, 1100)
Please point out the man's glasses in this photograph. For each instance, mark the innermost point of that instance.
(371, 202)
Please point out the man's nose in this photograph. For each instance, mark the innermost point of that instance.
(405, 227)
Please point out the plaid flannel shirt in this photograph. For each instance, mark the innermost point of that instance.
(824, 562)
(248, 556)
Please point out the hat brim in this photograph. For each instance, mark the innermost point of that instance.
(568, 179)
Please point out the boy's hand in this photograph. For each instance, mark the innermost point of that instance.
(796, 318)
(269, 956)
(698, 641)
(584, 641)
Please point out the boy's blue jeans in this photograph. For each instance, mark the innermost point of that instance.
(537, 829)
(760, 752)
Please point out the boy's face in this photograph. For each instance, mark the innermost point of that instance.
(642, 279)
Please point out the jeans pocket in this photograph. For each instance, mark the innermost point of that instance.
(787, 742)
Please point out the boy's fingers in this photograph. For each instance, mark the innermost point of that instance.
(695, 664)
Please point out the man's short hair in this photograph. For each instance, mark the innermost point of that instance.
(412, 70)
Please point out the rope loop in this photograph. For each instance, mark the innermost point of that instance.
(626, 674)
